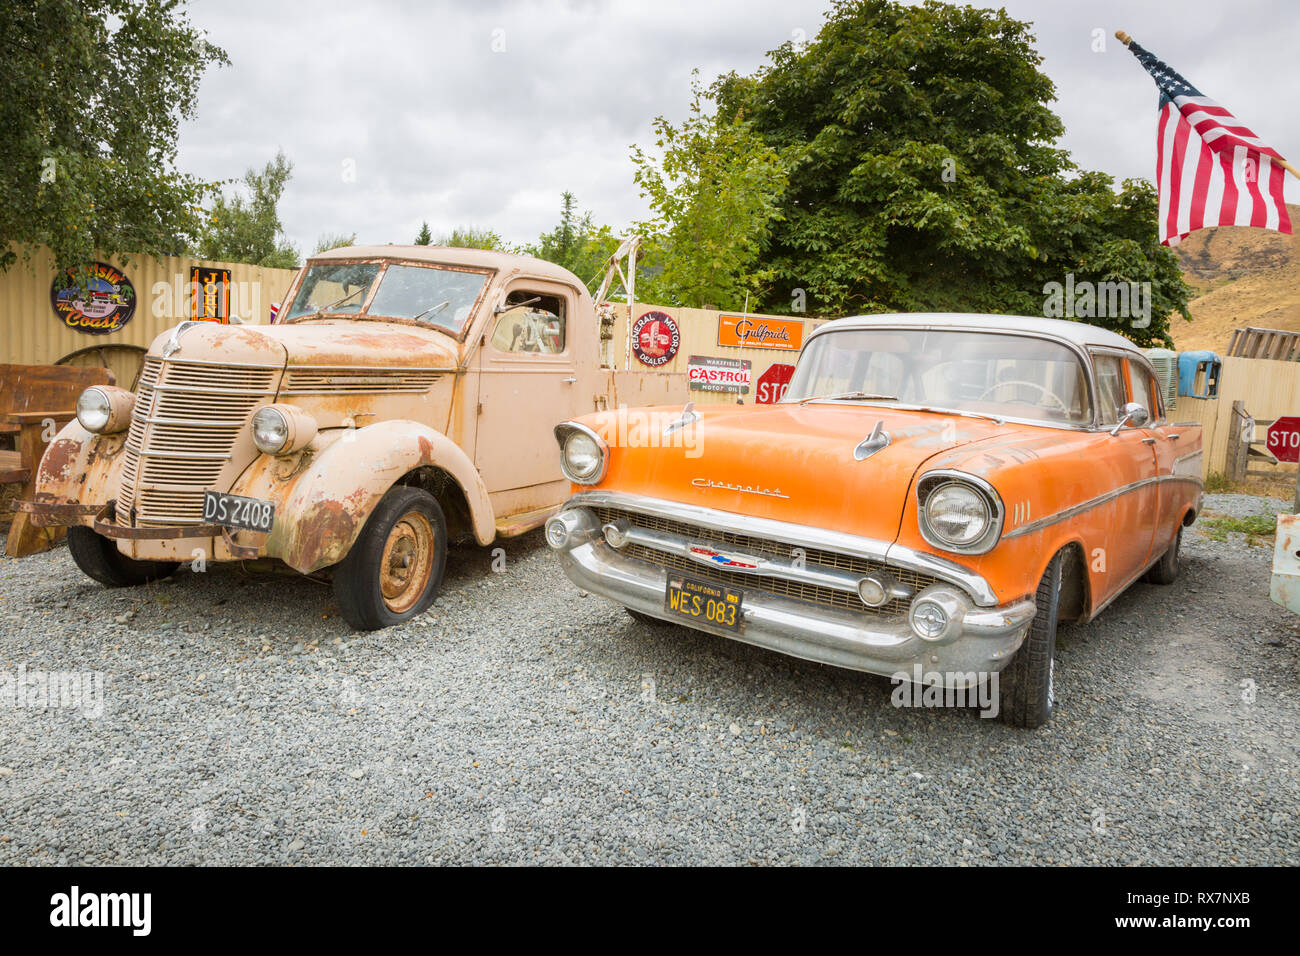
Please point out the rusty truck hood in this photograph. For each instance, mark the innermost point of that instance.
(791, 463)
(319, 343)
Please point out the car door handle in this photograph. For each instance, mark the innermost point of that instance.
(1148, 441)
(1174, 437)
(570, 380)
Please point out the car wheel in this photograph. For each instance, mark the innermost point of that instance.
(395, 567)
(643, 618)
(1165, 571)
(1027, 686)
(99, 558)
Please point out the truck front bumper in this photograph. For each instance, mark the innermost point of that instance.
(978, 640)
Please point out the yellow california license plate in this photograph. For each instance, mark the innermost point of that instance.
(701, 604)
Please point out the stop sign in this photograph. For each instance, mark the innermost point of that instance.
(1284, 438)
(772, 383)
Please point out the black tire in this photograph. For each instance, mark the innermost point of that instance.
(643, 618)
(373, 587)
(99, 558)
(1165, 571)
(1027, 686)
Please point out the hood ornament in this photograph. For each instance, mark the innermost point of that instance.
(876, 441)
(174, 342)
(689, 417)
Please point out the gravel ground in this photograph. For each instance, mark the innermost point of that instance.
(243, 722)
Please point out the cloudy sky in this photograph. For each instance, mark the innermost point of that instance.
(482, 113)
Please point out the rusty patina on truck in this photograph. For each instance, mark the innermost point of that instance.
(404, 398)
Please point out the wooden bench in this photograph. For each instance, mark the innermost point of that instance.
(35, 402)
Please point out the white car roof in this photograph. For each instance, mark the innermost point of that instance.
(1075, 332)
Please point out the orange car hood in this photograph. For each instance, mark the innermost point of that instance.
(791, 463)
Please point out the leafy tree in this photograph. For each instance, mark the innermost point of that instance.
(715, 194)
(576, 243)
(472, 237)
(91, 95)
(248, 229)
(330, 241)
(425, 237)
(924, 175)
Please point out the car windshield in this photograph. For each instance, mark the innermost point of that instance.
(986, 373)
(428, 294)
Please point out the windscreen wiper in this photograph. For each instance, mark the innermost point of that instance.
(434, 309)
(325, 308)
(850, 396)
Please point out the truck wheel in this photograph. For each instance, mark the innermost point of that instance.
(394, 569)
(99, 558)
(1027, 685)
(1165, 571)
(650, 619)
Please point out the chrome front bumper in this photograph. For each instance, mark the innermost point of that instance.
(979, 640)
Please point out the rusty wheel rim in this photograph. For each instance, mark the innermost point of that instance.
(407, 562)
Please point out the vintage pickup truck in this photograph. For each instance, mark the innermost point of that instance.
(403, 398)
(930, 497)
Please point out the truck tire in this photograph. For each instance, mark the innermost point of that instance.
(1165, 571)
(1027, 686)
(99, 558)
(395, 567)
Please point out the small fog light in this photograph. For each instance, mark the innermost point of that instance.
(875, 589)
(616, 533)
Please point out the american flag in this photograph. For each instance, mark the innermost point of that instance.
(1211, 169)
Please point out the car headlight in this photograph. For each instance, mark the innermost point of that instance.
(105, 410)
(959, 512)
(282, 429)
(583, 455)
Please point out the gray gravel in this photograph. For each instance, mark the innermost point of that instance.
(244, 722)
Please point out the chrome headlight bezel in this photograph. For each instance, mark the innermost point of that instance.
(572, 436)
(282, 429)
(984, 493)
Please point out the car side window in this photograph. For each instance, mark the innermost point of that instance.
(534, 322)
(1111, 394)
(1142, 393)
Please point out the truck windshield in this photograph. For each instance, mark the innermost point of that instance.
(1009, 376)
(434, 295)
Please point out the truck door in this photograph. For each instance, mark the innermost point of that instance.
(528, 380)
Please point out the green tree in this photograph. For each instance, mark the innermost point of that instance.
(91, 95)
(425, 237)
(925, 175)
(248, 229)
(714, 193)
(336, 240)
(472, 237)
(576, 243)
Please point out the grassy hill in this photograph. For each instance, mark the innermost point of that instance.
(1241, 277)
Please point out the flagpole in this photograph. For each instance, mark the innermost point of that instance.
(1125, 39)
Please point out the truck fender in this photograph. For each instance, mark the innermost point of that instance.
(79, 467)
(330, 502)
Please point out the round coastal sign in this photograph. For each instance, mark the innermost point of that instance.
(655, 339)
(104, 306)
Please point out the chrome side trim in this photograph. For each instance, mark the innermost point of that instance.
(1097, 502)
(799, 536)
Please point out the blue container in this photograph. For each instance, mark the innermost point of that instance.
(1198, 374)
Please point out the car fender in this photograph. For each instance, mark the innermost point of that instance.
(80, 467)
(324, 507)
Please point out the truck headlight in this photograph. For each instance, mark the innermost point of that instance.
(959, 512)
(282, 429)
(105, 410)
(583, 454)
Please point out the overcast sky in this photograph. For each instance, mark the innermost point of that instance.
(482, 113)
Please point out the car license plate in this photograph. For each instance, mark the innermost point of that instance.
(234, 511)
(702, 604)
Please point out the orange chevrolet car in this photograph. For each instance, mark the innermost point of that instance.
(933, 494)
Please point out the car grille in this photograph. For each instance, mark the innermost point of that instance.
(796, 590)
(188, 416)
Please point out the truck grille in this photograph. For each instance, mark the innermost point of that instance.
(796, 590)
(188, 416)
